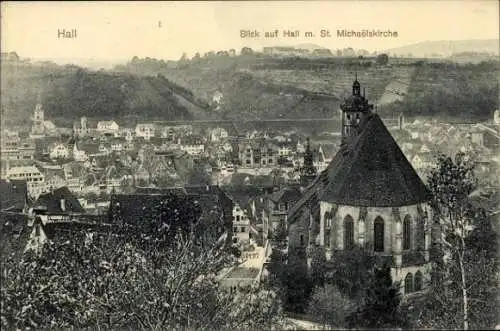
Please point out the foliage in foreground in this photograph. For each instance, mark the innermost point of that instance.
(381, 308)
(464, 289)
(111, 281)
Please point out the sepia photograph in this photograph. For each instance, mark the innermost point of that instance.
(250, 165)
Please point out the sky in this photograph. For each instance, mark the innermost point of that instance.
(116, 31)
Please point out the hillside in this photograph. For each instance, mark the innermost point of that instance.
(447, 48)
(253, 87)
(260, 87)
(69, 92)
(466, 92)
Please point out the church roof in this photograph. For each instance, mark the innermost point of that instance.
(372, 171)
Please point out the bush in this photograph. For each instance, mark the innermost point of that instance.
(329, 306)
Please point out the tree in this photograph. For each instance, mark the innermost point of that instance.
(291, 281)
(184, 57)
(351, 272)
(329, 306)
(125, 278)
(246, 51)
(382, 59)
(381, 307)
(465, 273)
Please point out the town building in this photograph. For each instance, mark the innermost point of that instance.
(108, 127)
(257, 153)
(369, 196)
(145, 130)
(59, 151)
(15, 148)
(59, 205)
(31, 175)
(82, 128)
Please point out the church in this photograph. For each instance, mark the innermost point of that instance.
(369, 196)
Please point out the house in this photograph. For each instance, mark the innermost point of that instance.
(256, 153)
(128, 134)
(241, 223)
(31, 175)
(217, 99)
(79, 155)
(59, 151)
(192, 145)
(422, 161)
(108, 127)
(82, 128)
(57, 205)
(13, 195)
(116, 145)
(284, 149)
(12, 147)
(145, 130)
(279, 203)
(218, 134)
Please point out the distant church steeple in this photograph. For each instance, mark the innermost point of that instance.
(308, 172)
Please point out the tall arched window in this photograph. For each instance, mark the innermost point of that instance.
(348, 232)
(418, 281)
(408, 283)
(407, 232)
(378, 235)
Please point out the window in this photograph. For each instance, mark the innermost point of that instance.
(418, 281)
(328, 221)
(235, 229)
(243, 229)
(407, 232)
(237, 218)
(378, 235)
(270, 161)
(408, 283)
(348, 232)
(301, 240)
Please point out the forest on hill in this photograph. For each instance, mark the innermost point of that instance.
(253, 87)
(69, 92)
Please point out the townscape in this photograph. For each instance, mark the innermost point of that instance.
(301, 190)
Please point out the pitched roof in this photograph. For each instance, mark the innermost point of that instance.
(133, 206)
(288, 194)
(52, 202)
(372, 171)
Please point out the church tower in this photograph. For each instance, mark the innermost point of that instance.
(369, 197)
(355, 111)
(38, 119)
(308, 172)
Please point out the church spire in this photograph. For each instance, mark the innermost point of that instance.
(308, 171)
(356, 87)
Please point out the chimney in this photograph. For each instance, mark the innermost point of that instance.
(63, 204)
